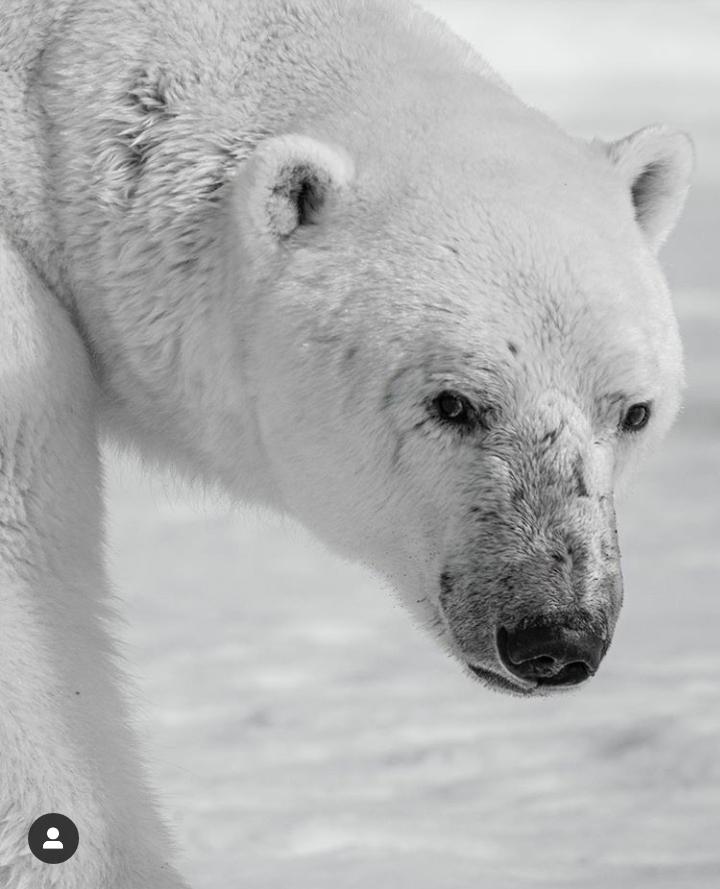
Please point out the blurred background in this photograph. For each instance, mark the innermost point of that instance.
(303, 733)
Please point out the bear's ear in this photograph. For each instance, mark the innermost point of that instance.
(285, 185)
(657, 163)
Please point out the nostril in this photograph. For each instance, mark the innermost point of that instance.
(541, 667)
(544, 662)
(570, 674)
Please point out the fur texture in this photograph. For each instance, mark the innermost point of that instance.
(260, 240)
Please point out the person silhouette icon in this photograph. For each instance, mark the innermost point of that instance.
(45, 831)
(53, 842)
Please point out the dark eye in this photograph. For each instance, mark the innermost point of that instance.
(636, 418)
(453, 408)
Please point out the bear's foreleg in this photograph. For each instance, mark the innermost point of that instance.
(65, 744)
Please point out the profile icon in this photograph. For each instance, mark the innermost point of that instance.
(53, 838)
(52, 842)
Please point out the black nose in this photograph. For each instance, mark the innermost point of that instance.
(551, 653)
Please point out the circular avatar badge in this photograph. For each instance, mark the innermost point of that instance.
(53, 838)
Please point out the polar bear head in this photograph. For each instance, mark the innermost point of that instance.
(459, 357)
(367, 285)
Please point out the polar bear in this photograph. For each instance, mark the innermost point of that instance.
(317, 253)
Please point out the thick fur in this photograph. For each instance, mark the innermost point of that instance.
(64, 732)
(257, 240)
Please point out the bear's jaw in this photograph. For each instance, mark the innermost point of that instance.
(518, 687)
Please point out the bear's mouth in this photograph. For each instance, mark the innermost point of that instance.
(502, 683)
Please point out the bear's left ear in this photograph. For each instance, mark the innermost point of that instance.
(285, 185)
(657, 163)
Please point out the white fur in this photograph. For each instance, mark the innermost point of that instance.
(256, 239)
(658, 163)
(64, 731)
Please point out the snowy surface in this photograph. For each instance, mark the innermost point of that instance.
(304, 734)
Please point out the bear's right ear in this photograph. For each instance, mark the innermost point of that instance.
(657, 163)
(283, 186)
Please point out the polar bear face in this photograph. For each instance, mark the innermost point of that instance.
(373, 289)
(431, 326)
(453, 382)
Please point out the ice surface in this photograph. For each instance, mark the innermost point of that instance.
(305, 734)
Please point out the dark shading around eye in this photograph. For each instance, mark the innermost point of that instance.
(636, 417)
(454, 409)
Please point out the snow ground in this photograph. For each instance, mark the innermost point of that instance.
(303, 733)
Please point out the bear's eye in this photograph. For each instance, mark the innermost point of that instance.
(636, 418)
(453, 408)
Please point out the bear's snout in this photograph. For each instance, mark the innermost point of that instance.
(554, 653)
